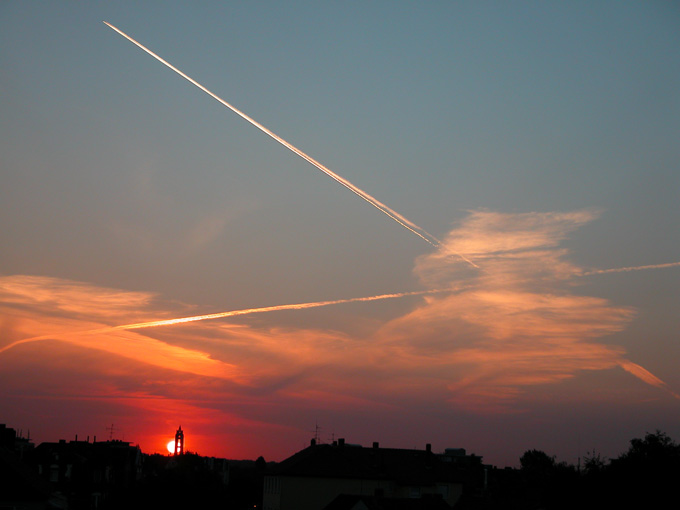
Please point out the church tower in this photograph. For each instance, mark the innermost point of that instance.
(179, 441)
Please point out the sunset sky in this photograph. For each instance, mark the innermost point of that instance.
(536, 142)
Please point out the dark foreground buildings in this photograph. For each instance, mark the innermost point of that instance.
(103, 475)
(343, 476)
(74, 474)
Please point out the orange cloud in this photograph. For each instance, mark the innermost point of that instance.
(646, 376)
(504, 328)
(517, 324)
(43, 293)
(45, 308)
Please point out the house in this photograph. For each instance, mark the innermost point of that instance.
(314, 477)
(86, 473)
(20, 487)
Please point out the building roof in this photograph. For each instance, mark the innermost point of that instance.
(340, 460)
(355, 502)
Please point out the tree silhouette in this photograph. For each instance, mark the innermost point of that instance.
(549, 484)
(647, 473)
(536, 462)
(593, 463)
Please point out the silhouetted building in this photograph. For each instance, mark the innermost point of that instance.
(352, 502)
(85, 473)
(179, 441)
(459, 458)
(20, 487)
(314, 477)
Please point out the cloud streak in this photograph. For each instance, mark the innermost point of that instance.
(632, 268)
(483, 342)
(276, 308)
(45, 308)
(517, 324)
(646, 376)
(14, 284)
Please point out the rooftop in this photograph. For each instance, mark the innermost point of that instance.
(341, 460)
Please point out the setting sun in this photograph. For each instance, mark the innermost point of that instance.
(171, 446)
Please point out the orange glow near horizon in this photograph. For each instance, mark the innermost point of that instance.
(479, 342)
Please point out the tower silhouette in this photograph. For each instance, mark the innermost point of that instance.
(179, 441)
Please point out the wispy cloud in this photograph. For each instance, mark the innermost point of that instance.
(45, 308)
(497, 332)
(518, 324)
(509, 248)
(73, 298)
(646, 376)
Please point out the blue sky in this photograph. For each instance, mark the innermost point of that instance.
(542, 137)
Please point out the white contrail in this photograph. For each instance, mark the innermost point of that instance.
(633, 268)
(420, 232)
(232, 313)
(295, 306)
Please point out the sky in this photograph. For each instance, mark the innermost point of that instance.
(533, 143)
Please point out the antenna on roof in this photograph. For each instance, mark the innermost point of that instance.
(111, 430)
(317, 430)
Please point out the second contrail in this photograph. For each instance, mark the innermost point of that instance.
(248, 311)
(420, 232)
(628, 269)
(231, 313)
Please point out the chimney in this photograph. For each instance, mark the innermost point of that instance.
(376, 445)
(313, 442)
(341, 442)
(428, 448)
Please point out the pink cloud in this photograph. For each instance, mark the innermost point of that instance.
(509, 326)
(517, 323)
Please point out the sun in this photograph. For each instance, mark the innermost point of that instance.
(171, 446)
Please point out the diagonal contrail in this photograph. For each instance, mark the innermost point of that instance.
(646, 376)
(420, 232)
(632, 268)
